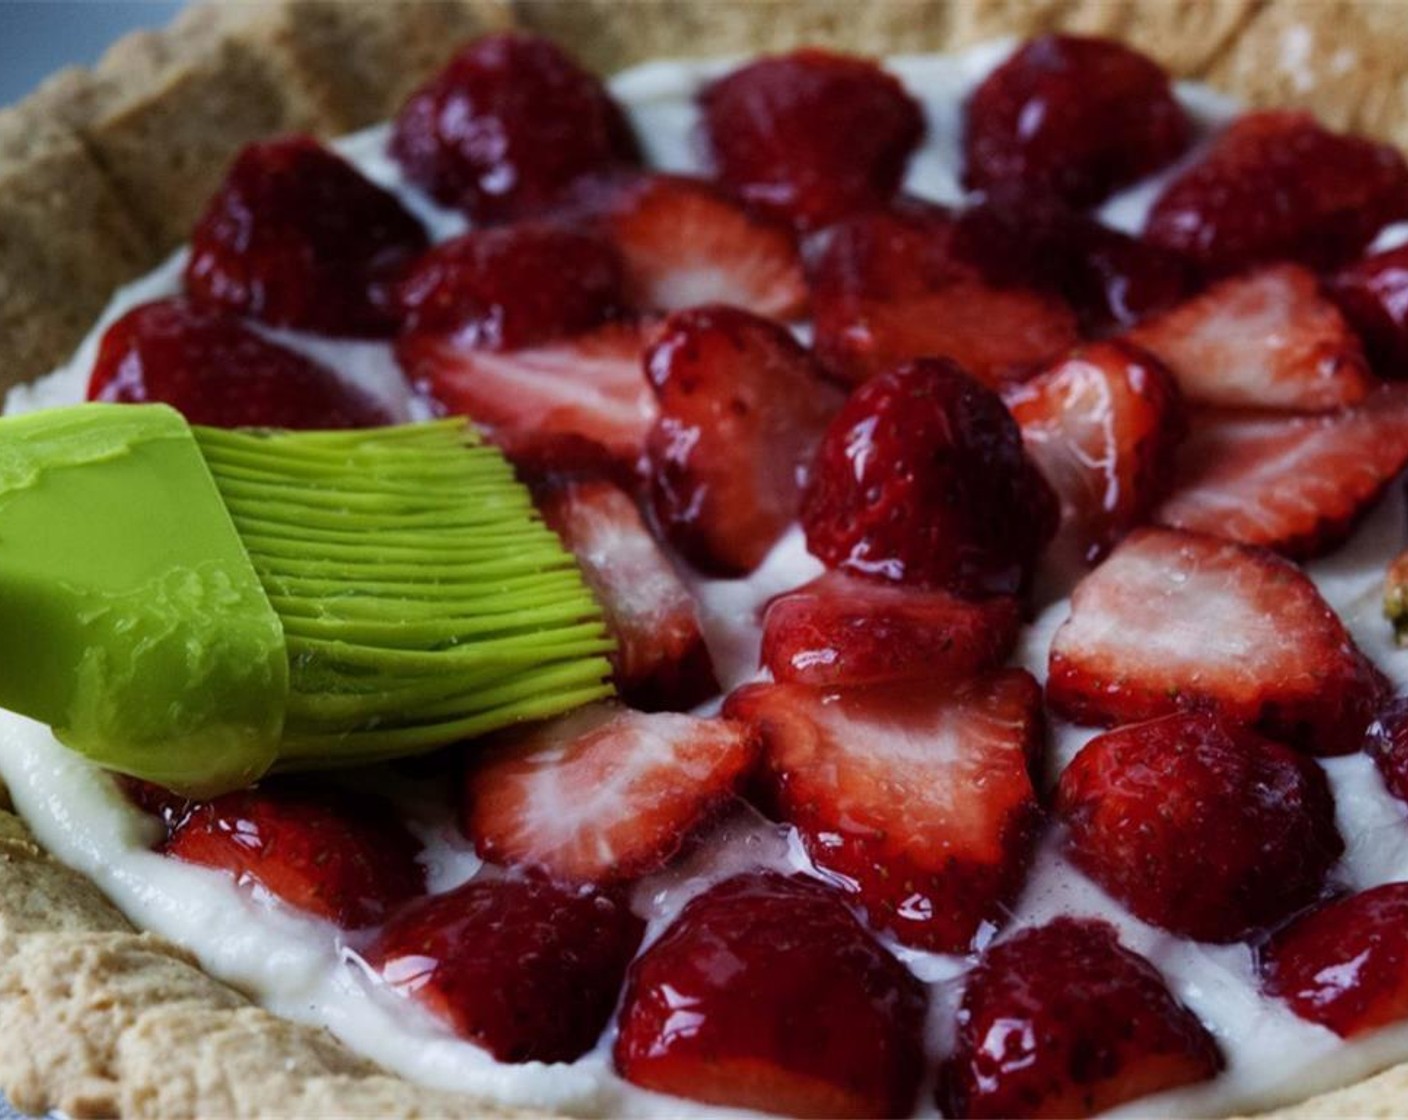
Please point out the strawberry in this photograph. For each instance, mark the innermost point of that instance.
(660, 661)
(1264, 339)
(526, 970)
(1103, 425)
(603, 794)
(742, 406)
(1201, 828)
(1063, 1020)
(589, 386)
(215, 370)
(921, 479)
(1274, 185)
(1345, 965)
(1386, 742)
(923, 798)
(296, 237)
(811, 136)
(767, 994)
(337, 855)
(506, 126)
(1073, 118)
(1297, 484)
(840, 629)
(1373, 294)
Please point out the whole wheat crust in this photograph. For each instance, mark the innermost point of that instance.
(102, 172)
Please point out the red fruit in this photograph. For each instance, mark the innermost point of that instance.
(843, 630)
(1278, 185)
(603, 794)
(923, 798)
(1345, 965)
(1265, 339)
(1063, 1020)
(590, 386)
(507, 125)
(811, 136)
(742, 406)
(526, 970)
(336, 855)
(766, 993)
(510, 287)
(921, 479)
(296, 237)
(216, 371)
(1103, 425)
(660, 661)
(1373, 294)
(1296, 484)
(1175, 621)
(1072, 118)
(1201, 828)
(1386, 742)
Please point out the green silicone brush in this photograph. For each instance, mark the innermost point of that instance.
(197, 606)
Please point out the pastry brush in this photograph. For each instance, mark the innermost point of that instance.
(196, 606)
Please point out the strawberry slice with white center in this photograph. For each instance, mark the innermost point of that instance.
(923, 798)
(1266, 339)
(603, 794)
(1175, 621)
(1296, 484)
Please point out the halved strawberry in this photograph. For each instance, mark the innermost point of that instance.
(1296, 484)
(922, 797)
(1386, 742)
(845, 630)
(1102, 425)
(1265, 339)
(603, 794)
(1176, 621)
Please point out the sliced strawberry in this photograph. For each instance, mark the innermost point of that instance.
(843, 630)
(1345, 965)
(767, 994)
(339, 856)
(590, 386)
(526, 970)
(1386, 742)
(922, 797)
(661, 661)
(1063, 1020)
(1201, 828)
(603, 794)
(1176, 621)
(1265, 339)
(1373, 294)
(742, 406)
(1103, 425)
(1298, 484)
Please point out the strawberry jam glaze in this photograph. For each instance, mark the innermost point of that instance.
(308, 970)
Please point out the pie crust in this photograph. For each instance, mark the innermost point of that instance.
(102, 172)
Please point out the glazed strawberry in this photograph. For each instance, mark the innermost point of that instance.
(1063, 1020)
(603, 794)
(1176, 621)
(1386, 742)
(1345, 965)
(1103, 425)
(1264, 339)
(337, 855)
(841, 629)
(921, 479)
(1297, 484)
(296, 237)
(1278, 185)
(526, 970)
(506, 126)
(811, 136)
(1373, 294)
(215, 370)
(660, 660)
(1201, 828)
(921, 797)
(766, 993)
(742, 406)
